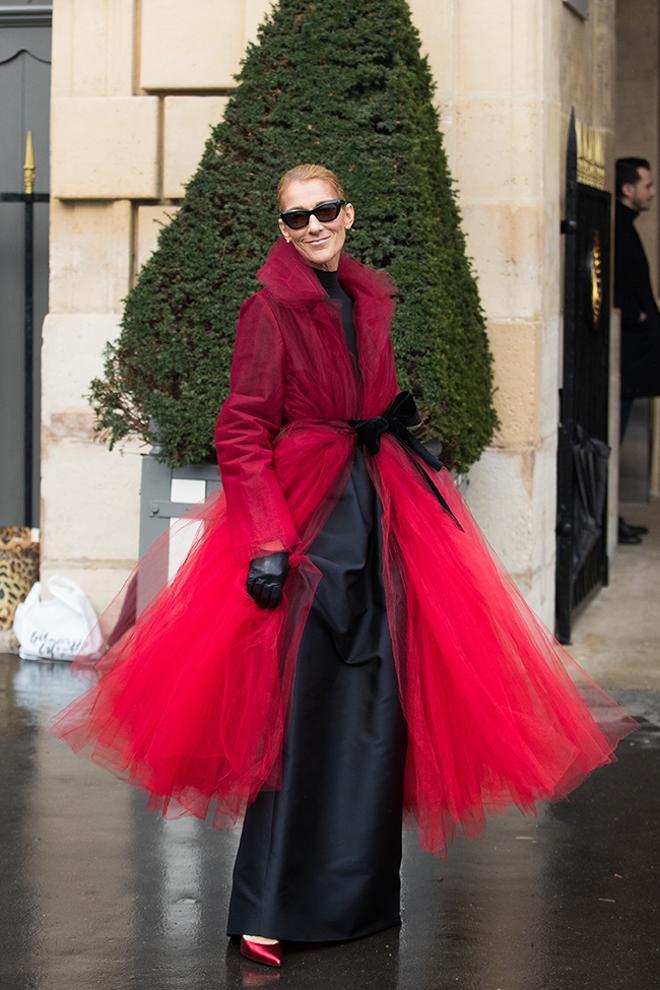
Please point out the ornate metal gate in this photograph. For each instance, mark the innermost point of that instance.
(582, 468)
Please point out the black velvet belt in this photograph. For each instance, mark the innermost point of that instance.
(399, 415)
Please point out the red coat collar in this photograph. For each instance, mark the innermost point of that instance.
(293, 281)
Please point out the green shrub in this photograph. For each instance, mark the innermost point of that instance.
(342, 84)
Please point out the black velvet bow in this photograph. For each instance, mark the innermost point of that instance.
(399, 415)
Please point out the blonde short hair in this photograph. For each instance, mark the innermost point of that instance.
(309, 171)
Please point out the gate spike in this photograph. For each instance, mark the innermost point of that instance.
(29, 169)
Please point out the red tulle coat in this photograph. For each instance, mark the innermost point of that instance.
(191, 701)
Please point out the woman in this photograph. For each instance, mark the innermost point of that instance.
(339, 645)
(294, 855)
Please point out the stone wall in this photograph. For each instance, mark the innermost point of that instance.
(497, 69)
(508, 74)
(136, 87)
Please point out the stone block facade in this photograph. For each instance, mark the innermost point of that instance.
(498, 93)
(105, 147)
(191, 46)
(93, 48)
(89, 494)
(90, 255)
(187, 125)
(136, 87)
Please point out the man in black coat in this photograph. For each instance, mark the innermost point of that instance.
(633, 294)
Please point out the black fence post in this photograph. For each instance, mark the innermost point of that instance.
(28, 197)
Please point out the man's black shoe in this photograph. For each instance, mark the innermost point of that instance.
(626, 535)
(631, 529)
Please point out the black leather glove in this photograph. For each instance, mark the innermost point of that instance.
(266, 576)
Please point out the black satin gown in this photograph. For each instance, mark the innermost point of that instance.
(319, 859)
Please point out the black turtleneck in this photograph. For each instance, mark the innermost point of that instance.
(633, 293)
(331, 284)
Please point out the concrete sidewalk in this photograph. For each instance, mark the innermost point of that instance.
(617, 637)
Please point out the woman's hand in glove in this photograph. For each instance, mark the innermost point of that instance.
(266, 576)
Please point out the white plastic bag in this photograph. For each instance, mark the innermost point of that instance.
(55, 628)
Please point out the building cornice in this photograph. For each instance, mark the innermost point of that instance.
(26, 15)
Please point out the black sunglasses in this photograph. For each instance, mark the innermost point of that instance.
(324, 213)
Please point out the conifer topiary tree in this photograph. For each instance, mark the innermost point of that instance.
(342, 84)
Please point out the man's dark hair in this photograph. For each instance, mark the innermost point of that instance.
(627, 172)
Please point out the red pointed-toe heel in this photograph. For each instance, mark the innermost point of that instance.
(269, 955)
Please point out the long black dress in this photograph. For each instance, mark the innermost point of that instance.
(319, 859)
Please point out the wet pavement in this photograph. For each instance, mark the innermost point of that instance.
(96, 893)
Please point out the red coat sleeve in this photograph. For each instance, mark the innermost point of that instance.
(246, 427)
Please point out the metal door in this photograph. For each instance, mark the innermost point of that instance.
(582, 564)
(25, 37)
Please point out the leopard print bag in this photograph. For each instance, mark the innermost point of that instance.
(19, 569)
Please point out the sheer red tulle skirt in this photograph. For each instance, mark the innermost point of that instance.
(190, 701)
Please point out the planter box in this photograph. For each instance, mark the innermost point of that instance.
(165, 495)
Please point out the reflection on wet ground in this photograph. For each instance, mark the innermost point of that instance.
(96, 893)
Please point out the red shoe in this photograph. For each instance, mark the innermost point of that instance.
(268, 954)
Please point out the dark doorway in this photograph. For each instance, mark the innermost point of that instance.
(582, 468)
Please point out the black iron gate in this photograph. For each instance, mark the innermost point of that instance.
(582, 467)
(28, 197)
